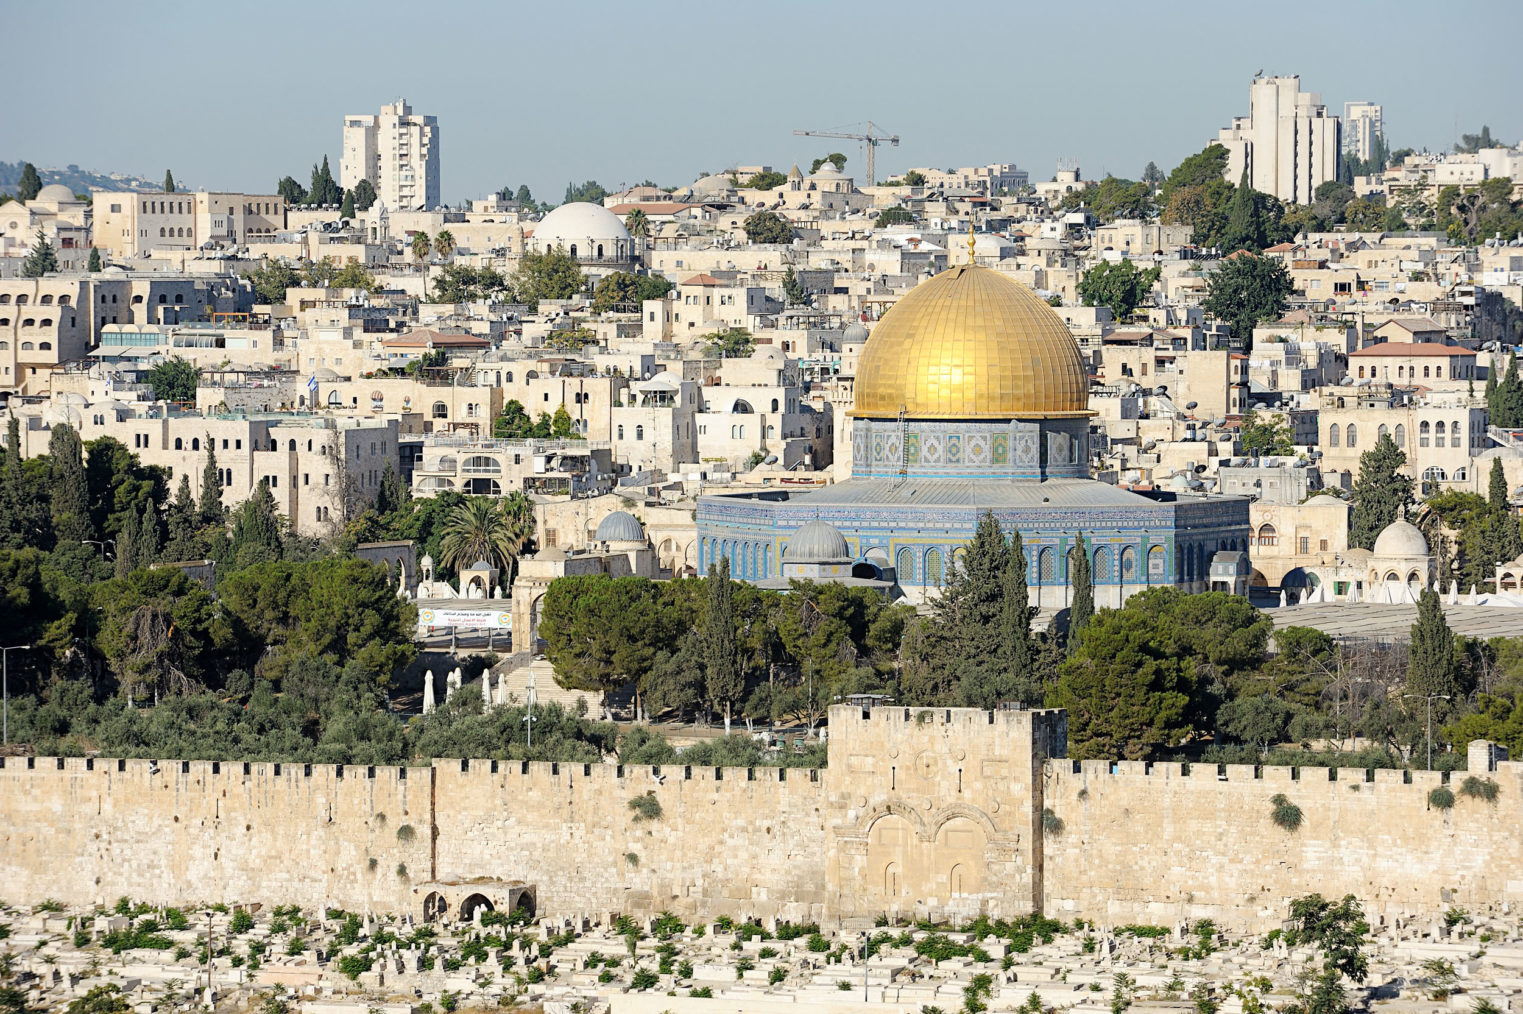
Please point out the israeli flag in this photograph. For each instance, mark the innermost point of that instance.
(312, 384)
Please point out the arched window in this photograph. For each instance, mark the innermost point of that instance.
(621, 432)
(1438, 433)
(1045, 566)
(639, 432)
(195, 443)
(1381, 432)
(1351, 435)
(161, 232)
(1332, 435)
(44, 346)
(1268, 536)
(29, 322)
(334, 400)
(933, 567)
(1433, 474)
(46, 322)
(441, 410)
(774, 404)
(179, 299)
(905, 566)
(1426, 372)
(1423, 431)
(63, 300)
(1128, 564)
(291, 445)
(1401, 436)
(28, 347)
(573, 251)
(1102, 566)
(1454, 434)
(46, 300)
(179, 444)
(600, 251)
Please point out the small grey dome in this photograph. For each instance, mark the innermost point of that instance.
(817, 542)
(620, 526)
(1401, 538)
(855, 333)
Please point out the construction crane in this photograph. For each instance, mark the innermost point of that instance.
(872, 139)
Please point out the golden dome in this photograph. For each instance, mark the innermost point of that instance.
(971, 343)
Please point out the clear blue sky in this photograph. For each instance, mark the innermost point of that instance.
(235, 95)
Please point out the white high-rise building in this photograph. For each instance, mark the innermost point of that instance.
(1361, 125)
(397, 152)
(1287, 141)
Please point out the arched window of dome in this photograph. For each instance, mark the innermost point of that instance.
(1332, 435)
(1268, 536)
(933, 567)
(1128, 564)
(1454, 434)
(1102, 565)
(1351, 435)
(1156, 563)
(1044, 567)
(905, 566)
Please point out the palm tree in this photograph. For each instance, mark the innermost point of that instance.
(444, 244)
(485, 529)
(421, 245)
(637, 223)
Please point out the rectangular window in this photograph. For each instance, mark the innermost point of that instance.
(1322, 545)
(1304, 545)
(305, 478)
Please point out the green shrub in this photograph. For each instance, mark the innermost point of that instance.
(776, 976)
(1051, 823)
(534, 974)
(818, 944)
(667, 925)
(242, 922)
(843, 985)
(632, 859)
(767, 952)
(646, 807)
(605, 976)
(1286, 815)
(685, 970)
(352, 965)
(175, 919)
(701, 993)
(1480, 788)
(405, 833)
(295, 947)
(643, 979)
(449, 1001)
(1441, 798)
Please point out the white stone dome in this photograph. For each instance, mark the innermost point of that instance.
(1401, 538)
(56, 193)
(817, 542)
(855, 333)
(620, 526)
(580, 224)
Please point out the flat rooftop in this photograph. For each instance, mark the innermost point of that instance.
(1378, 620)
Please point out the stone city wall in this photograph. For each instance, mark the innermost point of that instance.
(938, 813)
(1162, 843)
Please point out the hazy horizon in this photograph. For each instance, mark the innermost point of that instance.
(680, 88)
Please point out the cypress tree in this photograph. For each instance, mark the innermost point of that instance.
(393, 493)
(721, 660)
(169, 182)
(1501, 537)
(148, 537)
(12, 534)
(70, 492)
(256, 530)
(94, 262)
(1381, 493)
(1506, 406)
(30, 185)
(211, 488)
(1081, 607)
(1245, 226)
(183, 518)
(346, 209)
(1496, 489)
(127, 546)
(1015, 624)
(1491, 393)
(1430, 664)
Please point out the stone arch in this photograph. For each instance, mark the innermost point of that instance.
(473, 903)
(961, 811)
(1156, 564)
(1128, 565)
(435, 906)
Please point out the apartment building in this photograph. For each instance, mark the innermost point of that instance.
(1361, 126)
(1288, 142)
(398, 152)
(127, 225)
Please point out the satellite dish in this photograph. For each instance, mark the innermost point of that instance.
(1218, 422)
(1190, 405)
(1162, 390)
(770, 459)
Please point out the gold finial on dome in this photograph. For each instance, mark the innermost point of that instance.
(970, 238)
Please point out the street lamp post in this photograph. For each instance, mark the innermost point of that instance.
(5, 689)
(1430, 698)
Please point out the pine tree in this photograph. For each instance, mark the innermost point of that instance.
(211, 488)
(94, 262)
(70, 492)
(1081, 607)
(721, 660)
(794, 293)
(41, 260)
(30, 185)
(169, 182)
(183, 520)
(1245, 225)
(1381, 493)
(1430, 663)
